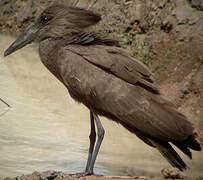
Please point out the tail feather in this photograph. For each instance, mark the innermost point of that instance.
(192, 143)
(170, 154)
(183, 148)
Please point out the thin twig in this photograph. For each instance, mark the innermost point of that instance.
(5, 102)
(6, 110)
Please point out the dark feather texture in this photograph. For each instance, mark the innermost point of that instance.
(170, 154)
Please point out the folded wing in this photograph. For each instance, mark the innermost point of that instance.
(117, 62)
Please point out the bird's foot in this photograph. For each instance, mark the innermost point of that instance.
(82, 174)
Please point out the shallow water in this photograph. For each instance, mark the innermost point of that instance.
(45, 129)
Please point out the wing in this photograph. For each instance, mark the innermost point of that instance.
(117, 62)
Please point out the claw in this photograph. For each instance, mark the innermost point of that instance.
(81, 174)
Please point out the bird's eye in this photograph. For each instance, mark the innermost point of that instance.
(45, 19)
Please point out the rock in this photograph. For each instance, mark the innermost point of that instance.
(171, 173)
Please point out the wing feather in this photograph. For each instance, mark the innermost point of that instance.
(117, 62)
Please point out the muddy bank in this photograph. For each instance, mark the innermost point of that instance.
(169, 174)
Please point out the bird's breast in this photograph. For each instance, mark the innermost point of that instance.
(48, 51)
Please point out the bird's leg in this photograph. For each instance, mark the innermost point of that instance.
(92, 138)
(92, 155)
(100, 134)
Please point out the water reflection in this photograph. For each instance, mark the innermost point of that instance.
(46, 129)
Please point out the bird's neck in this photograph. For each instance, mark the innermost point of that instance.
(48, 50)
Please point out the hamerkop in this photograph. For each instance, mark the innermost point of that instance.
(108, 81)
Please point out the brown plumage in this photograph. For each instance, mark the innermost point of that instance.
(108, 81)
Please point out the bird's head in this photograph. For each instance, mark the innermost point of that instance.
(55, 22)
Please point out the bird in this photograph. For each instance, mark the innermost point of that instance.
(110, 83)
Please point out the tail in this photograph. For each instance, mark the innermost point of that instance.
(189, 143)
(167, 150)
(172, 156)
(183, 137)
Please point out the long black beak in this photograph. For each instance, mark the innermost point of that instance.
(25, 38)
